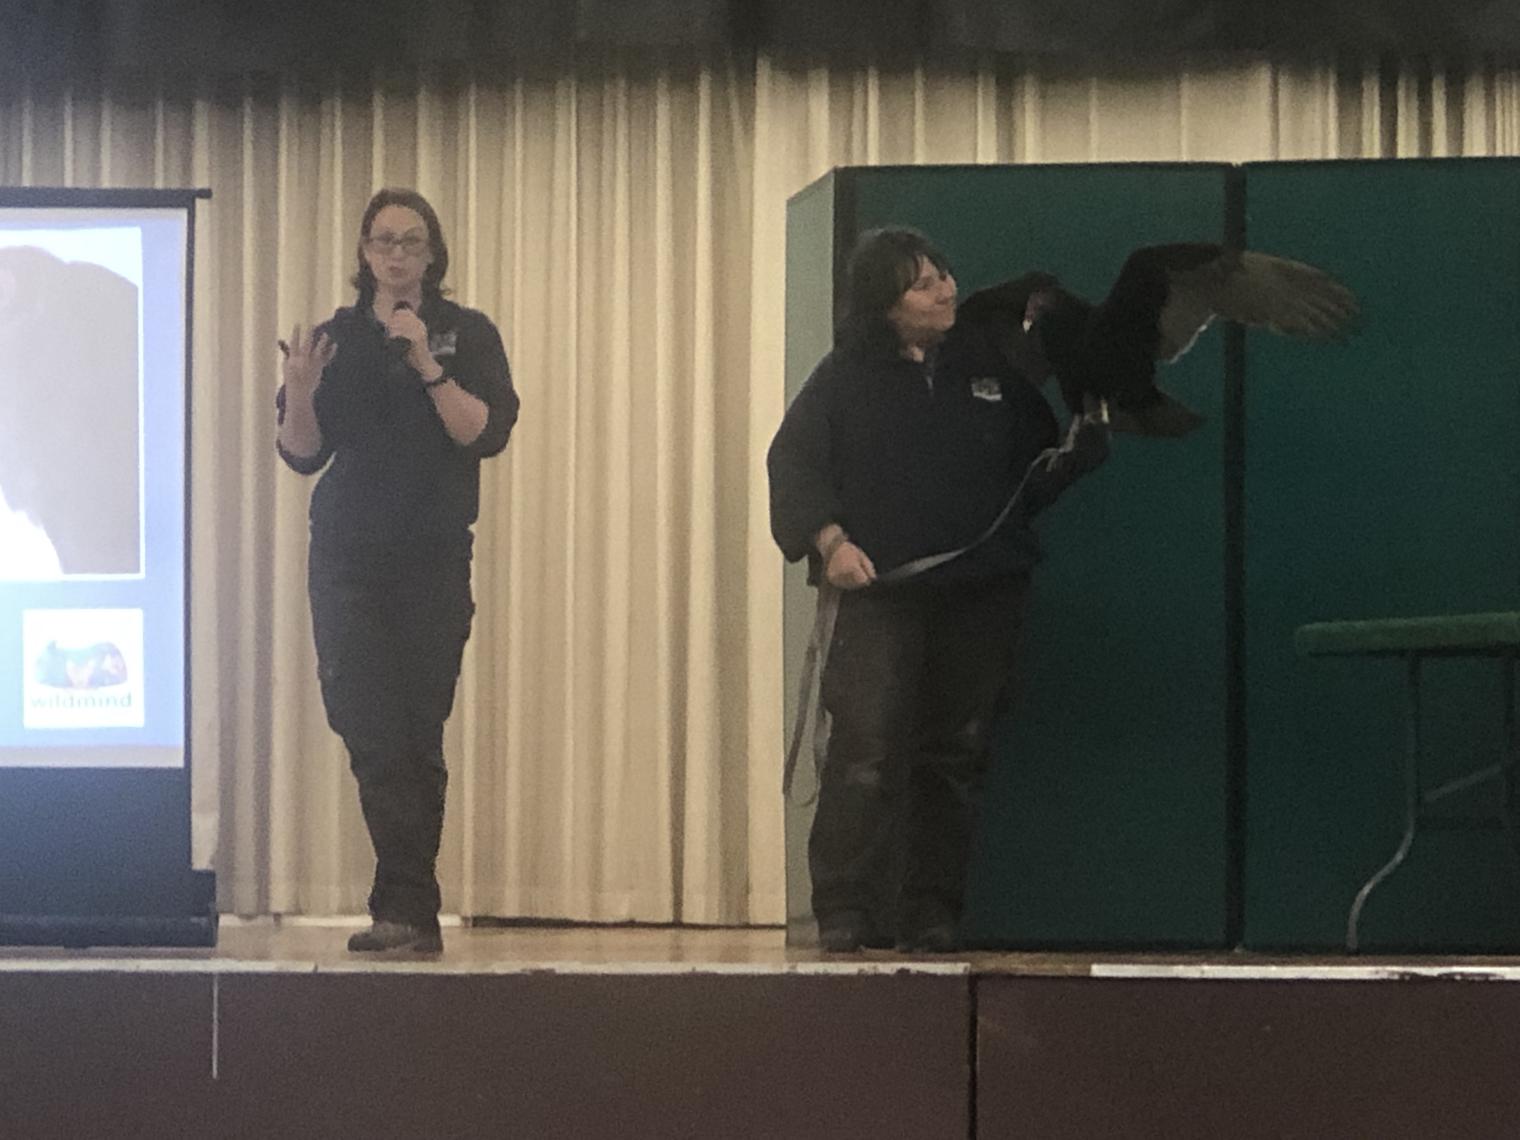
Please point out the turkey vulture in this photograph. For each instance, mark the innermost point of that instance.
(1165, 296)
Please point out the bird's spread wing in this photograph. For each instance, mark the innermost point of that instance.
(1276, 293)
(1256, 289)
(1147, 312)
(1181, 288)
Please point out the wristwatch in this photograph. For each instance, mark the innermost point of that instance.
(442, 379)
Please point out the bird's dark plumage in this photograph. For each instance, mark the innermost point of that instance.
(1165, 296)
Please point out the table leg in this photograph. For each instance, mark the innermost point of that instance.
(1507, 752)
(1411, 803)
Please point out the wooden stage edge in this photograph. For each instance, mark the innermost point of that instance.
(625, 1033)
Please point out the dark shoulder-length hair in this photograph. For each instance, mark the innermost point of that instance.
(883, 266)
(432, 279)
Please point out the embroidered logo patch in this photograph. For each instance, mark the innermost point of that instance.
(987, 388)
(443, 344)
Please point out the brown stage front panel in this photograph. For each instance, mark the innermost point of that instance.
(105, 1055)
(1090, 1059)
(584, 1056)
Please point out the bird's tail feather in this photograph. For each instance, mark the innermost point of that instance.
(1167, 418)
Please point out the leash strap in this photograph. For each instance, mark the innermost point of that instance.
(809, 690)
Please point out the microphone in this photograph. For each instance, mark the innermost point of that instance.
(399, 345)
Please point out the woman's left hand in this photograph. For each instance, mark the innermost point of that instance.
(1087, 439)
(408, 325)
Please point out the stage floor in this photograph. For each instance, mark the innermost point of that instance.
(262, 945)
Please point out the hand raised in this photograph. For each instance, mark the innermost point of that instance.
(307, 354)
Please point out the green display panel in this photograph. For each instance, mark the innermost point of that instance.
(1105, 817)
(1382, 480)
(809, 334)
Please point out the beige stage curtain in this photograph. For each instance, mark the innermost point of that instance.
(616, 742)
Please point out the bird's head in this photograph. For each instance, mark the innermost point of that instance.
(1054, 320)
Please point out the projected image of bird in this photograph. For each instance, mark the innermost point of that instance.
(70, 418)
(1165, 296)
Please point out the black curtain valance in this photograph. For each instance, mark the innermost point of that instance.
(91, 37)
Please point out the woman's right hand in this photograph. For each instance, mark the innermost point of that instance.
(849, 568)
(307, 355)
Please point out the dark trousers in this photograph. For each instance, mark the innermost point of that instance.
(390, 632)
(915, 678)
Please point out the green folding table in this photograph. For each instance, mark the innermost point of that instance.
(1494, 635)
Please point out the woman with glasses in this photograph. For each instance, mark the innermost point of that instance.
(399, 396)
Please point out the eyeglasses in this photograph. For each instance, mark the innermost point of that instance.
(411, 244)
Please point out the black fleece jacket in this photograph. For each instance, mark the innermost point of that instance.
(914, 459)
(397, 478)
